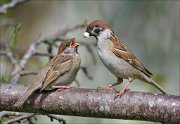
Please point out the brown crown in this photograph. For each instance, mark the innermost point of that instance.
(65, 43)
(100, 23)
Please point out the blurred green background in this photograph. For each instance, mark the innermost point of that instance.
(150, 29)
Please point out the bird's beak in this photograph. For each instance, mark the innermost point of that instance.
(74, 44)
(86, 34)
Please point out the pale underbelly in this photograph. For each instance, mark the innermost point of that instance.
(117, 66)
(65, 80)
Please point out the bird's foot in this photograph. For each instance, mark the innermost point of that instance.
(105, 88)
(60, 88)
(121, 92)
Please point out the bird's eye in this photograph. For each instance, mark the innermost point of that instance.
(67, 45)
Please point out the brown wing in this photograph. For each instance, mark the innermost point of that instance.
(39, 78)
(120, 51)
(59, 65)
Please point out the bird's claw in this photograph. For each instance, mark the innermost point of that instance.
(60, 88)
(120, 93)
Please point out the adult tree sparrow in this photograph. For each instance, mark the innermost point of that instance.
(58, 73)
(117, 58)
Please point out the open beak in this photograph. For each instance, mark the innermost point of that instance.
(86, 34)
(74, 44)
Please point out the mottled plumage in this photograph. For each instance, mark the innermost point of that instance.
(116, 57)
(60, 71)
(120, 51)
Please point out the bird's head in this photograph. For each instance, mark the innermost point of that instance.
(95, 28)
(68, 46)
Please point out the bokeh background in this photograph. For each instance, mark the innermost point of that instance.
(150, 29)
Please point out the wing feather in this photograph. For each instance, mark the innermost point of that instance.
(59, 65)
(120, 51)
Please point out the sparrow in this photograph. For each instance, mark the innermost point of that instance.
(117, 58)
(60, 72)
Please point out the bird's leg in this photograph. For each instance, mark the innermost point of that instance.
(124, 90)
(109, 87)
(60, 88)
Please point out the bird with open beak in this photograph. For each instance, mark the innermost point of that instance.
(59, 73)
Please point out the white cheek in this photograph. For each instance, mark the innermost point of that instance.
(105, 34)
(86, 34)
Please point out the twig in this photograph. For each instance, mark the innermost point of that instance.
(32, 50)
(51, 44)
(24, 60)
(93, 103)
(10, 113)
(25, 73)
(50, 49)
(13, 3)
(10, 56)
(43, 54)
(27, 116)
(57, 117)
(18, 119)
(84, 69)
(21, 116)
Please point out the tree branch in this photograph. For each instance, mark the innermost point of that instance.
(24, 116)
(19, 65)
(92, 103)
(3, 8)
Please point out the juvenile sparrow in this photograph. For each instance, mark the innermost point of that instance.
(60, 72)
(117, 58)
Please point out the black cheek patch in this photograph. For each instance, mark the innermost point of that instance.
(97, 31)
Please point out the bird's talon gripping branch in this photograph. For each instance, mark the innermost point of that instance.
(62, 68)
(60, 88)
(116, 57)
(125, 90)
(121, 92)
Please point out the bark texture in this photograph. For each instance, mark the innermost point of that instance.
(91, 103)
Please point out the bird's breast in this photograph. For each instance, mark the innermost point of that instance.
(117, 66)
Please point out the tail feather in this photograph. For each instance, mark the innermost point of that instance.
(152, 82)
(28, 92)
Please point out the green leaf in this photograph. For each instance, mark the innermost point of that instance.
(13, 39)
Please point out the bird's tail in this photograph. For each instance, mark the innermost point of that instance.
(152, 82)
(28, 92)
